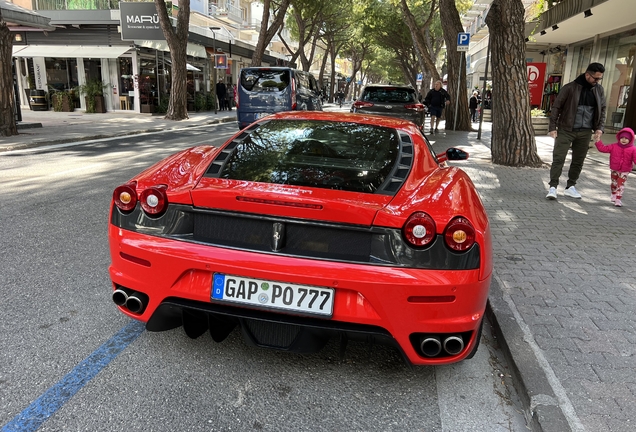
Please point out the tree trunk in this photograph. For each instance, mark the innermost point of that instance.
(513, 141)
(266, 34)
(452, 26)
(424, 54)
(177, 39)
(7, 97)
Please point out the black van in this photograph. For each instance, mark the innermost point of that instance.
(266, 90)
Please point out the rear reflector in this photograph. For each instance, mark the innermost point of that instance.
(135, 259)
(431, 299)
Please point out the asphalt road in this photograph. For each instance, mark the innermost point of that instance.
(70, 361)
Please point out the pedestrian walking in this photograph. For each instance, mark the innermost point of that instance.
(473, 103)
(577, 112)
(622, 159)
(436, 99)
(340, 97)
(221, 94)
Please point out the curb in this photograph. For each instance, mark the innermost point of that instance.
(541, 407)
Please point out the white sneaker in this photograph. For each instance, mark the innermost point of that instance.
(613, 198)
(571, 192)
(552, 194)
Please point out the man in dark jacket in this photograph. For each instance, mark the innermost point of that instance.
(436, 99)
(221, 94)
(578, 110)
(473, 103)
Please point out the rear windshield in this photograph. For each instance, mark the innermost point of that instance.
(265, 80)
(345, 156)
(394, 95)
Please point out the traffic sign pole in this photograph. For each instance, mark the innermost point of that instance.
(459, 75)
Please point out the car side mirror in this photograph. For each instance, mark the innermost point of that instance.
(452, 154)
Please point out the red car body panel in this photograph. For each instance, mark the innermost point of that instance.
(399, 299)
(364, 294)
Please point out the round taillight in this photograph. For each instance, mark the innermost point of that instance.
(459, 234)
(419, 229)
(125, 197)
(154, 200)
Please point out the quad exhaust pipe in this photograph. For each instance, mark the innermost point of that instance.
(432, 345)
(120, 296)
(453, 345)
(134, 301)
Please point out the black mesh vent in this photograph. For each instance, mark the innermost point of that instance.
(327, 242)
(271, 334)
(233, 231)
(300, 239)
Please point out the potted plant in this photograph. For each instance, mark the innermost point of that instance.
(62, 100)
(93, 91)
(540, 122)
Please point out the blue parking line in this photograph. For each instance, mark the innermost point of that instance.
(32, 417)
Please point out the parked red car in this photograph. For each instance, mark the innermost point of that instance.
(306, 226)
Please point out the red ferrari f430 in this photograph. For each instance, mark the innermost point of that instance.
(303, 227)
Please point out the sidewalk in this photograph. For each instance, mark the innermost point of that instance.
(563, 297)
(564, 293)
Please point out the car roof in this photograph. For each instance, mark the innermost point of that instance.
(402, 86)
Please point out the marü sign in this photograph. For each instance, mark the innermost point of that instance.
(139, 21)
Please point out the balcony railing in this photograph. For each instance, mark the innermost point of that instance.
(232, 12)
(76, 4)
(254, 25)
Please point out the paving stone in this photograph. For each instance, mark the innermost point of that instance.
(570, 265)
(617, 376)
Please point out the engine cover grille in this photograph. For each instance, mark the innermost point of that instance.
(288, 237)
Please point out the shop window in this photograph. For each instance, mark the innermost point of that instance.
(61, 74)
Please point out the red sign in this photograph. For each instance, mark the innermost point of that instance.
(220, 61)
(536, 82)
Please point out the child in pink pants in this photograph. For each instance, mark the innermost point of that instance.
(622, 160)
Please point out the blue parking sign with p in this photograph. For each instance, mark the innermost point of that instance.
(463, 39)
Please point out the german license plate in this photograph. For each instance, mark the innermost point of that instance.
(261, 115)
(274, 295)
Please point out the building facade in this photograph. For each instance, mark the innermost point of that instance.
(88, 44)
(565, 39)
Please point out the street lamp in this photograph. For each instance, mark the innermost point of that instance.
(216, 96)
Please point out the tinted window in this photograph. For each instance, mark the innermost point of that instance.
(264, 80)
(393, 95)
(344, 156)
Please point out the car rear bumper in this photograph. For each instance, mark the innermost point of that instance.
(415, 117)
(388, 304)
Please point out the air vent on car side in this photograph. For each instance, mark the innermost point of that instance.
(402, 168)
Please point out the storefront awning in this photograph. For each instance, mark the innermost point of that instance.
(193, 50)
(69, 51)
